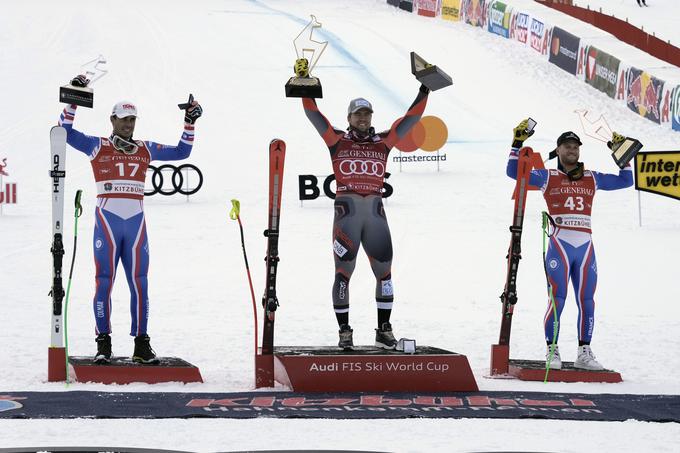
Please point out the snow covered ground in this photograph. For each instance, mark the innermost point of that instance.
(449, 228)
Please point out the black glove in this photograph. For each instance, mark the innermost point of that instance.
(616, 141)
(521, 133)
(424, 89)
(192, 110)
(193, 113)
(80, 81)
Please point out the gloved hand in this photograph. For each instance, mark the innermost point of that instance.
(616, 141)
(423, 89)
(80, 81)
(301, 67)
(193, 113)
(520, 133)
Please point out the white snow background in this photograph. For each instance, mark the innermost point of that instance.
(449, 228)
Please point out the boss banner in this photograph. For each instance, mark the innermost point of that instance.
(601, 70)
(451, 9)
(564, 49)
(658, 172)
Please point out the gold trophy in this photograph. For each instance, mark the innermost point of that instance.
(306, 86)
(84, 96)
(624, 149)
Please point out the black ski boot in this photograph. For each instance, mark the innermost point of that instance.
(103, 356)
(346, 341)
(143, 352)
(384, 338)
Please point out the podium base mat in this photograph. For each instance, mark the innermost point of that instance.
(369, 369)
(534, 370)
(122, 370)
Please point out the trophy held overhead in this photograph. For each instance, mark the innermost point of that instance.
(304, 85)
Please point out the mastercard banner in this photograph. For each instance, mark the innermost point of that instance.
(451, 9)
(429, 134)
(564, 49)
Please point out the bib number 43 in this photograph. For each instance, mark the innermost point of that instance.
(574, 203)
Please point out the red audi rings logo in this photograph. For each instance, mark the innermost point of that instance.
(362, 167)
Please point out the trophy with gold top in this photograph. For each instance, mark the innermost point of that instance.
(623, 148)
(308, 52)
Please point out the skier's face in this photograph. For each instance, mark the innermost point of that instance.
(360, 120)
(123, 127)
(569, 153)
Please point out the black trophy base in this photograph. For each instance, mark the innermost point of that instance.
(83, 97)
(429, 75)
(304, 87)
(623, 153)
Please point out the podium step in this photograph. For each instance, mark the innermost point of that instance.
(534, 370)
(368, 369)
(122, 370)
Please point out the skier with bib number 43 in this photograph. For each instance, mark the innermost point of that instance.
(119, 163)
(569, 192)
(359, 158)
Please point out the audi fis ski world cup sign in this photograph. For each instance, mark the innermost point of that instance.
(658, 172)
(168, 179)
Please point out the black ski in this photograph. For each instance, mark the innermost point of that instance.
(277, 155)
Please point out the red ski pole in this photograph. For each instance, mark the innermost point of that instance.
(235, 215)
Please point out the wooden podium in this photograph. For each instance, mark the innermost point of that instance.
(122, 370)
(366, 368)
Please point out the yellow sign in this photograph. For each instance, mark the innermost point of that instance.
(451, 9)
(658, 172)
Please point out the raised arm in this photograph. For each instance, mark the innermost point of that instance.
(84, 143)
(608, 181)
(403, 125)
(537, 178)
(330, 135)
(186, 141)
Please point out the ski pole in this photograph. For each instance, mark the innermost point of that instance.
(78, 212)
(546, 223)
(235, 214)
